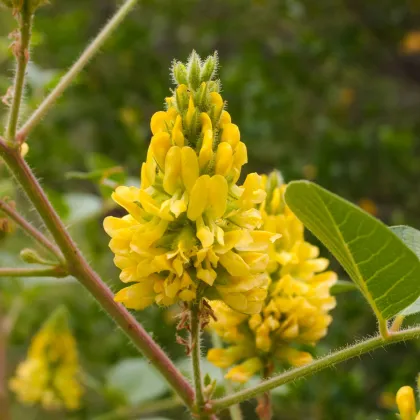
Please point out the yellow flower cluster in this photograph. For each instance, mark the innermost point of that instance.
(49, 375)
(191, 231)
(295, 312)
(407, 404)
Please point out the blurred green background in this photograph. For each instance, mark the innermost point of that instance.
(326, 90)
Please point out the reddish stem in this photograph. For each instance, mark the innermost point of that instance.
(80, 269)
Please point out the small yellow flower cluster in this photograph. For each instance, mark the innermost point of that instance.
(407, 404)
(49, 375)
(191, 231)
(296, 310)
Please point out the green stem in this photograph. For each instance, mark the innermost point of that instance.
(397, 323)
(383, 327)
(77, 67)
(81, 270)
(195, 346)
(316, 366)
(235, 409)
(56, 272)
(31, 231)
(22, 57)
(142, 410)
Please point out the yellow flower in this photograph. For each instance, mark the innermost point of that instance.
(407, 404)
(294, 313)
(191, 231)
(50, 374)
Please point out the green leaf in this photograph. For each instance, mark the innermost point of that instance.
(82, 207)
(411, 237)
(343, 286)
(386, 271)
(136, 381)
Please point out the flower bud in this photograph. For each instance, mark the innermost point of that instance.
(30, 256)
(194, 70)
(406, 403)
(209, 68)
(179, 73)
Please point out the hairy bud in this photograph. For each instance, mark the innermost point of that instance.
(179, 73)
(30, 256)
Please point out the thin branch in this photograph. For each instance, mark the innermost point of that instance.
(77, 67)
(31, 231)
(195, 346)
(81, 270)
(21, 50)
(328, 361)
(235, 409)
(56, 271)
(146, 409)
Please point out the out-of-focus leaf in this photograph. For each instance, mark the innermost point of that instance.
(59, 203)
(411, 237)
(207, 368)
(82, 206)
(135, 381)
(343, 286)
(386, 271)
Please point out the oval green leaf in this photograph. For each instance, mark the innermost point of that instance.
(411, 237)
(386, 271)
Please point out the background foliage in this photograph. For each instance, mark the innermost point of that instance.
(327, 91)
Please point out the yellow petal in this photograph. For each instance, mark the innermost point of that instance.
(198, 198)
(231, 134)
(204, 234)
(218, 195)
(406, 403)
(172, 170)
(234, 264)
(241, 155)
(137, 296)
(205, 122)
(223, 158)
(177, 132)
(206, 151)
(225, 118)
(217, 101)
(245, 371)
(160, 144)
(190, 170)
(157, 123)
(190, 113)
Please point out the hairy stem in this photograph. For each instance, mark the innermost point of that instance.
(4, 397)
(264, 409)
(81, 270)
(77, 67)
(235, 409)
(31, 231)
(316, 366)
(21, 50)
(195, 331)
(146, 409)
(56, 272)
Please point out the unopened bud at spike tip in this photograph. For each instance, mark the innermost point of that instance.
(194, 70)
(209, 68)
(179, 73)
